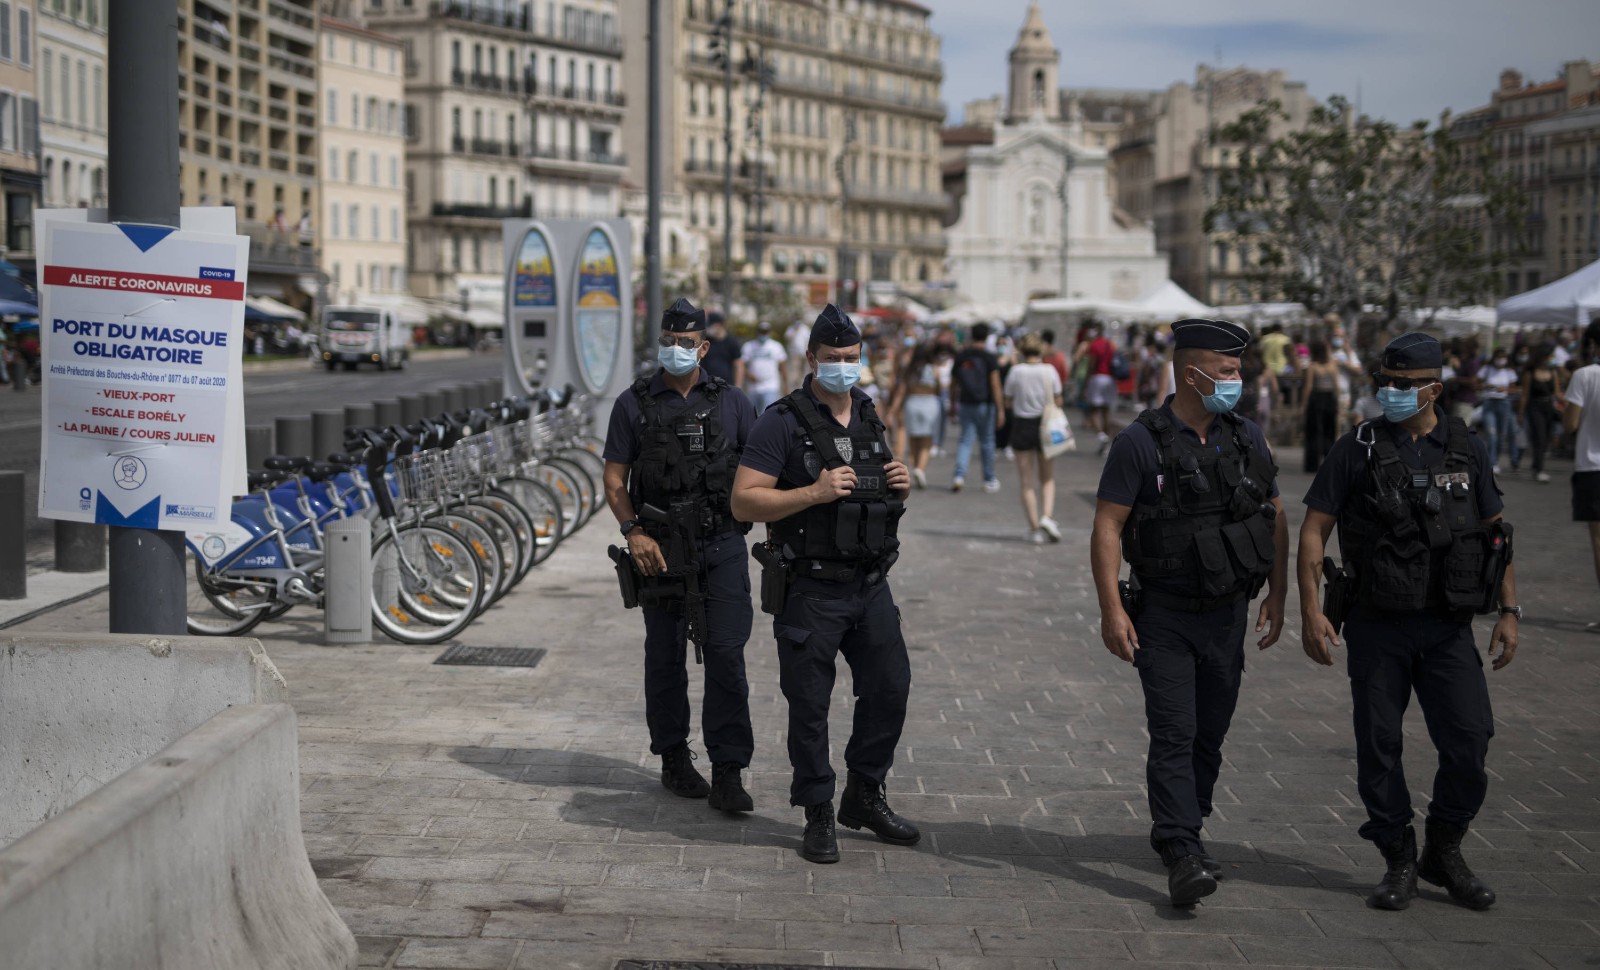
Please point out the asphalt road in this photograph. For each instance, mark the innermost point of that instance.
(278, 392)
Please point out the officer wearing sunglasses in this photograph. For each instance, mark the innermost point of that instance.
(1189, 497)
(1424, 549)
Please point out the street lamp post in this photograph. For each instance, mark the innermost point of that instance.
(653, 178)
(725, 29)
(1066, 222)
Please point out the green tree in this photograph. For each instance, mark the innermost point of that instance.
(1348, 212)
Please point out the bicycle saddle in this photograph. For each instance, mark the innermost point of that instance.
(286, 463)
(259, 480)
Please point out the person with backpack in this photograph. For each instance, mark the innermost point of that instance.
(975, 393)
(1100, 393)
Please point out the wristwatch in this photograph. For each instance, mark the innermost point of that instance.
(629, 525)
(1515, 611)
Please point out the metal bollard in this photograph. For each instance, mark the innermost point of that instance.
(294, 437)
(386, 412)
(257, 444)
(359, 416)
(327, 433)
(13, 538)
(347, 577)
(80, 547)
(413, 408)
(432, 404)
(455, 398)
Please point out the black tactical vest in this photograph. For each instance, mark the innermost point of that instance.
(684, 455)
(1211, 532)
(857, 530)
(1412, 537)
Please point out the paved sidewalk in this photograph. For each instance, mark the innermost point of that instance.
(496, 818)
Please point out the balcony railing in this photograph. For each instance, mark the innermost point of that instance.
(571, 154)
(459, 210)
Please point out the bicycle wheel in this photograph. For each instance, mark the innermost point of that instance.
(224, 606)
(589, 461)
(544, 512)
(486, 547)
(522, 527)
(588, 491)
(426, 584)
(565, 488)
(505, 547)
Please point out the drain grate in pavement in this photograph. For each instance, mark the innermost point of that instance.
(463, 655)
(703, 965)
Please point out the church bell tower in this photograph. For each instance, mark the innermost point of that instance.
(1035, 70)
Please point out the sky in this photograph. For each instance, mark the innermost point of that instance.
(1408, 59)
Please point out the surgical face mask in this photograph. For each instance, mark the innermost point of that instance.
(838, 376)
(1224, 396)
(678, 361)
(1398, 405)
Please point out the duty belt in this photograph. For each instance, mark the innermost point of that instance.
(1188, 604)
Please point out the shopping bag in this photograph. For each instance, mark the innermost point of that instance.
(1055, 433)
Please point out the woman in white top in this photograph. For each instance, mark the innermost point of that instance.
(1029, 387)
(1497, 381)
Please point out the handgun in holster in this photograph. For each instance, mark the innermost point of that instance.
(775, 577)
(627, 576)
(1338, 593)
(1128, 590)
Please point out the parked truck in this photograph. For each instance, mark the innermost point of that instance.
(356, 335)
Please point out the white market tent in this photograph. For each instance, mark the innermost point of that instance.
(1166, 303)
(1174, 302)
(1571, 300)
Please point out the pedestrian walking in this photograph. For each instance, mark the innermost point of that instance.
(764, 358)
(1319, 408)
(1029, 388)
(1494, 397)
(1424, 548)
(917, 409)
(671, 450)
(1189, 495)
(975, 396)
(1100, 391)
(724, 357)
(1543, 393)
(1582, 422)
(818, 469)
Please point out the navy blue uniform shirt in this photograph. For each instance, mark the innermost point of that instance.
(1344, 472)
(738, 415)
(774, 447)
(1132, 475)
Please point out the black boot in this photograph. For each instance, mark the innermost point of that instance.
(863, 804)
(678, 774)
(1211, 865)
(819, 843)
(1442, 865)
(1399, 885)
(727, 792)
(1188, 881)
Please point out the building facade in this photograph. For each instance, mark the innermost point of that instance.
(72, 103)
(362, 231)
(1168, 171)
(834, 146)
(1032, 212)
(511, 110)
(1545, 136)
(247, 137)
(20, 182)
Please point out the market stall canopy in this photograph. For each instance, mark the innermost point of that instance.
(273, 309)
(1173, 302)
(12, 290)
(1570, 300)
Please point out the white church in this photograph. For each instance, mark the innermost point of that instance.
(1012, 238)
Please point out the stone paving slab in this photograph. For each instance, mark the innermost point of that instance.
(503, 818)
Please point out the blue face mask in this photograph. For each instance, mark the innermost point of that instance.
(1398, 405)
(1224, 396)
(838, 378)
(678, 361)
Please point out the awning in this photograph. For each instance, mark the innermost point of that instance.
(12, 290)
(480, 318)
(274, 309)
(413, 312)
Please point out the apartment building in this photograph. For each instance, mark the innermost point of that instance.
(247, 137)
(835, 144)
(512, 109)
(20, 181)
(72, 102)
(362, 230)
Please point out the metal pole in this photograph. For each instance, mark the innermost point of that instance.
(727, 171)
(653, 178)
(147, 580)
(760, 240)
(13, 537)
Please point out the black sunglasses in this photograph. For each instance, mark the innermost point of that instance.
(687, 343)
(1402, 383)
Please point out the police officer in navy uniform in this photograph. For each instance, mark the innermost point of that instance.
(1189, 497)
(673, 436)
(1423, 548)
(819, 470)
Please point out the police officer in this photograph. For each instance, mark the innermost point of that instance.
(1423, 549)
(673, 444)
(1188, 497)
(819, 470)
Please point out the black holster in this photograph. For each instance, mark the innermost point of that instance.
(1130, 593)
(775, 578)
(627, 576)
(1338, 593)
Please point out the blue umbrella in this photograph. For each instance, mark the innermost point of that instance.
(15, 308)
(12, 290)
(22, 325)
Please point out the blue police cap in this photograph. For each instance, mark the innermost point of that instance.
(683, 317)
(1218, 335)
(1413, 351)
(834, 328)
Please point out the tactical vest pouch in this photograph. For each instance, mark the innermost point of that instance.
(1469, 573)
(1218, 577)
(1397, 575)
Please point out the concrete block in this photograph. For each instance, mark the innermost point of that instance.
(193, 858)
(77, 710)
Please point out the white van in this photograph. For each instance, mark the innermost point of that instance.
(356, 335)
